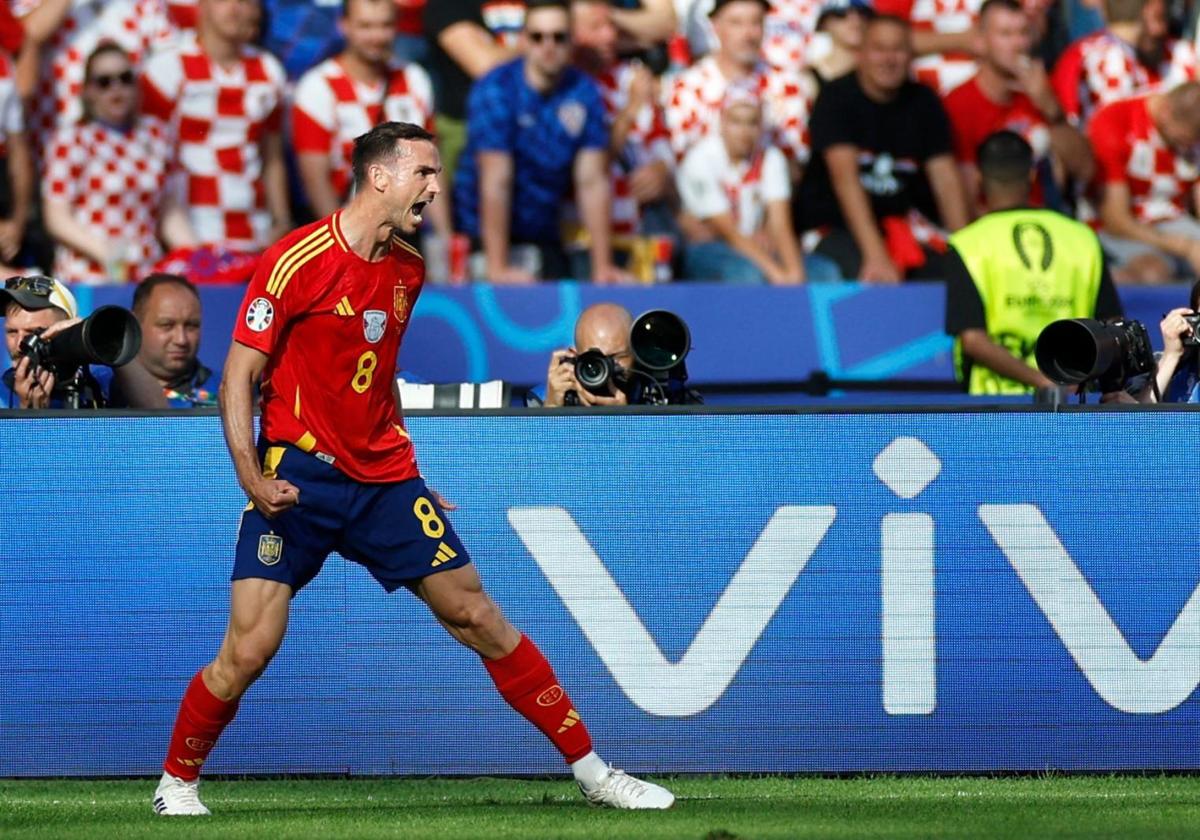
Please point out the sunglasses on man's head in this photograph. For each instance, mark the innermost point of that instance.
(560, 37)
(42, 286)
(107, 80)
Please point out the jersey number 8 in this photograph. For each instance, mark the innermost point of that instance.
(367, 363)
(431, 523)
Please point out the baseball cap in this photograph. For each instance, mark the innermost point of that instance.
(720, 4)
(38, 292)
(841, 7)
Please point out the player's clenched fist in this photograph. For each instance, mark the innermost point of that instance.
(272, 496)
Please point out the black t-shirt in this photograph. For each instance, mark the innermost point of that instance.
(502, 18)
(895, 141)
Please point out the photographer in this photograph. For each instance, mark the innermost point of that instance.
(1178, 374)
(604, 327)
(41, 306)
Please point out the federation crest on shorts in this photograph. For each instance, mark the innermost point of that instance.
(400, 304)
(259, 314)
(374, 320)
(270, 549)
(572, 115)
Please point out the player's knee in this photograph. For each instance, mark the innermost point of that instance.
(248, 659)
(475, 615)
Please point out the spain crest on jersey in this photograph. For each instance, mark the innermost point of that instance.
(400, 302)
(374, 320)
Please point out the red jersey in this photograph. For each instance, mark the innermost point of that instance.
(1130, 150)
(973, 117)
(331, 323)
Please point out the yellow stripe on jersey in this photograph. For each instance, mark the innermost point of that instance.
(296, 410)
(335, 226)
(344, 307)
(288, 257)
(314, 251)
(307, 442)
(396, 240)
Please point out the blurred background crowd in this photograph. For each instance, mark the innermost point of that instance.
(617, 141)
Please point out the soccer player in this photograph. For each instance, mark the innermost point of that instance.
(323, 319)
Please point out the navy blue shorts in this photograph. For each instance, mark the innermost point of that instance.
(396, 531)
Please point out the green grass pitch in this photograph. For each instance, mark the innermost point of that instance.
(714, 808)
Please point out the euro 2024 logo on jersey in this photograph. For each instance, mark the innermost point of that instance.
(374, 320)
(259, 314)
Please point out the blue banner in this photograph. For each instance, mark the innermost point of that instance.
(718, 592)
(748, 335)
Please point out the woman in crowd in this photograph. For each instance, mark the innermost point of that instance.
(106, 199)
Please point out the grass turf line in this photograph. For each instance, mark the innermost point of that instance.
(715, 808)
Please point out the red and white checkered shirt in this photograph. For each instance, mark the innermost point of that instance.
(137, 26)
(220, 117)
(1130, 150)
(12, 115)
(648, 141)
(1101, 68)
(787, 32)
(941, 71)
(693, 107)
(330, 109)
(114, 184)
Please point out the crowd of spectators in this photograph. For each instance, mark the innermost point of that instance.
(753, 141)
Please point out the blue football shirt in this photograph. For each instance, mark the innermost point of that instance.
(543, 133)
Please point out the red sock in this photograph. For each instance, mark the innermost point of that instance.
(202, 717)
(527, 683)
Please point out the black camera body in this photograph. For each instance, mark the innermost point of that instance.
(1110, 353)
(110, 336)
(659, 341)
(1192, 338)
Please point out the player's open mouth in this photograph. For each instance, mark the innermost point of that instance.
(418, 209)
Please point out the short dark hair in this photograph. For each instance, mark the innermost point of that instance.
(1005, 157)
(141, 295)
(534, 5)
(1007, 5)
(380, 143)
(879, 18)
(104, 48)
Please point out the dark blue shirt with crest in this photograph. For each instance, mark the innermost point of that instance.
(543, 133)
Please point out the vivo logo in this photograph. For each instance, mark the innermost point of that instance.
(908, 640)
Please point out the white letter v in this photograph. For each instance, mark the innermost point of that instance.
(620, 639)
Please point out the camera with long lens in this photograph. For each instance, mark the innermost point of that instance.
(659, 341)
(1112, 354)
(1192, 337)
(110, 336)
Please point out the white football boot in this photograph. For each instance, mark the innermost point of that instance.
(617, 789)
(177, 798)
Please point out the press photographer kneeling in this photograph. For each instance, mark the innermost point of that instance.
(617, 360)
(63, 361)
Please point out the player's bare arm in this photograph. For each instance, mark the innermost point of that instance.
(243, 368)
